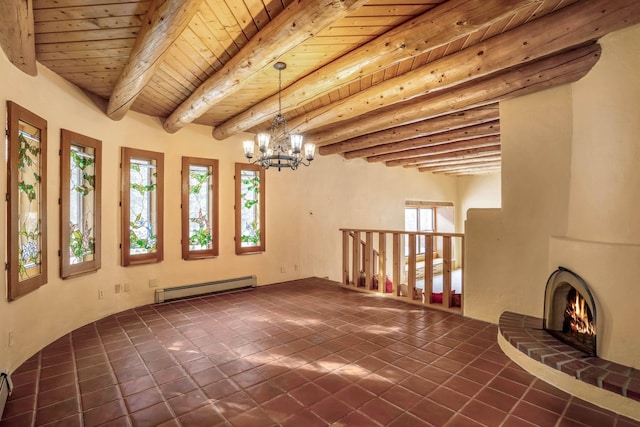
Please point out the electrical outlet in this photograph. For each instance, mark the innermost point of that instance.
(283, 269)
(116, 288)
(126, 287)
(11, 339)
(153, 283)
(295, 267)
(100, 294)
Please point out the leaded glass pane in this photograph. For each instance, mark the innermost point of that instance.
(82, 178)
(29, 199)
(250, 208)
(200, 208)
(142, 207)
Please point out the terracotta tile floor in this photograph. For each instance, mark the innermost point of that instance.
(297, 354)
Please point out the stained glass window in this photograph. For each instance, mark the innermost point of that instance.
(142, 206)
(81, 193)
(27, 224)
(199, 208)
(250, 208)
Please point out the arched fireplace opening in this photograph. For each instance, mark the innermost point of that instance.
(570, 311)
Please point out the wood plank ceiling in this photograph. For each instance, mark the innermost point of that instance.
(412, 83)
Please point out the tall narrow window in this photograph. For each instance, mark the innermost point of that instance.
(80, 184)
(142, 206)
(250, 218)
(27, 193)
(199, 208)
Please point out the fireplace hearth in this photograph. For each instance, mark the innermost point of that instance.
(570, 311)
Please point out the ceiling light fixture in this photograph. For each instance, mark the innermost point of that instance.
(279, 148)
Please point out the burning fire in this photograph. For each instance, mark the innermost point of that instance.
(578, 313)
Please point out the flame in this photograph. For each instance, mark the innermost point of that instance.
(578, 312)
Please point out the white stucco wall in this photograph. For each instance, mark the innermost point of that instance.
(570, 180)
(336, 192)
(477, 192)
(507, 249)
(605, 179)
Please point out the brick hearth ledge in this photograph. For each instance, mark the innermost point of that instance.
(601, 382)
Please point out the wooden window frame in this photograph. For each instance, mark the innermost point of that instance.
(15, 115)
(187, 253)
(244, 250)
(436, 207)
(67, 140)
(158, 255)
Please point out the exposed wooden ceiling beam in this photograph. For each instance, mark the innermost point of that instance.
(17, 36)
(427, 127)
(475, 171)
(461, 154)
(568, 27)
(482, 141)
(413, 38)
(163, 24)
(297, 23)
(451, 162)
(461, 134)
(562, 68)
(455, 168)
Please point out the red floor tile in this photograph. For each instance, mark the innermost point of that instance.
(253, 359)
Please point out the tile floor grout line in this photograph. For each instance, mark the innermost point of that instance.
(312, 336)
(112, 372)
(77, 382)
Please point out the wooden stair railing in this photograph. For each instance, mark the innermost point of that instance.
(368, 266)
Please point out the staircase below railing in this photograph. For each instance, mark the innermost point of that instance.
(418, 267)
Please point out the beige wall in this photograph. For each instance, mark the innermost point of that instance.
(507, 249)
(606, 159)
(570, 181)
(305, 209)
(477, 192)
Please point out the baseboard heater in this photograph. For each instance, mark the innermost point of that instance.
(199, 289)
(5, 390)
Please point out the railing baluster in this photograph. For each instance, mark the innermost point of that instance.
(356, 258)
(411, 280)
(462, 275)
(428, 269)
(345, 256)
(446, 271)
(397, 263)
(368, 260)
(382, 262)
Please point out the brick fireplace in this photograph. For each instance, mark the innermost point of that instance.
(564, 341)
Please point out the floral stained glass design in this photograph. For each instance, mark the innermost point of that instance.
(29, 202)
(142, 207)
(26, 154)
(250, 208)
(200, 204)
(80, 201)
(82, 179)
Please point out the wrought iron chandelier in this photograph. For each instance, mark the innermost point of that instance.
(279, 148)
